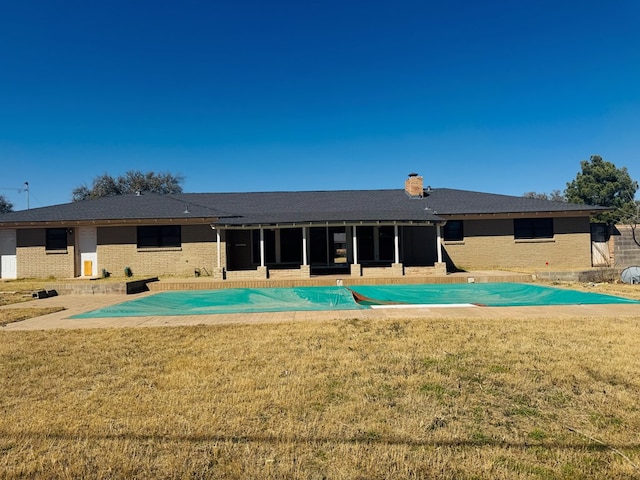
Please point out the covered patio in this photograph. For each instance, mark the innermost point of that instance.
(379, 248)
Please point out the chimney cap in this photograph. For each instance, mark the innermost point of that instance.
(413, 174)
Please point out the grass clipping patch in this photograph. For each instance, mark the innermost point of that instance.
(351, 399)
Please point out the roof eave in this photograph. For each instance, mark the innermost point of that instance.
(511, 215)
(110, 222)
(327, 223)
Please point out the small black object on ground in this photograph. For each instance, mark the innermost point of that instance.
(44, 294)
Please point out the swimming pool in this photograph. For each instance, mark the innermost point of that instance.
(254, 300)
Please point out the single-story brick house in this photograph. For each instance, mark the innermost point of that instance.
(411, 231)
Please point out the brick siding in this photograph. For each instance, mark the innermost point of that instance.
(34, 261)
(487, 244)
(117, 249)
(490, 244)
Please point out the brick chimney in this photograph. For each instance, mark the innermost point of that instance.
(414, 186)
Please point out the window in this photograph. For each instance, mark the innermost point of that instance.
(366, 244)
(280, 246)
(56, 239)
(528, 228)
(159, 236)
(452, 231)
(386, 247)
(291, 245)
(376, 244)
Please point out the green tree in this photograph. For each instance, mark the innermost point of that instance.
(555, 196)
(5, 205)
(131, 182)
(601, 183)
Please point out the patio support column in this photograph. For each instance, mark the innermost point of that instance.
(397, 269)
(396, 244)
(219, 269)
(305, 269)
(305, 233)
(356, 269)
(261, 247)
(262, 269)
(218, 247)
(441, 267)
(354, 238)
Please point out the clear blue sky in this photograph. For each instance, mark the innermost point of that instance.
(494, 96)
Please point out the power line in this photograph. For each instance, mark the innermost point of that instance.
(20, 190)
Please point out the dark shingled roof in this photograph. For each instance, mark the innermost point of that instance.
(291, 207)
(119, 207)
(320, 206)
(446, 201)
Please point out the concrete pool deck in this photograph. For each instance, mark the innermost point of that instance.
(76, 304)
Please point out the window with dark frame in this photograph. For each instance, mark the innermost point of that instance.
(56, 239)
(532, 228)
(453, 231)
(159, 236)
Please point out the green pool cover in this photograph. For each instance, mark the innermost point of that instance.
(251, 300)
(485, 294)
(232, 300)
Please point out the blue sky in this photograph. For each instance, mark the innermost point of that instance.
(495, 96)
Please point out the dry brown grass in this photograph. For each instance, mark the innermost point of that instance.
(452, 399)
(14, 292)
(608, 288)
(11, 315)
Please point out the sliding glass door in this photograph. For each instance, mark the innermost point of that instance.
(328, 249)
